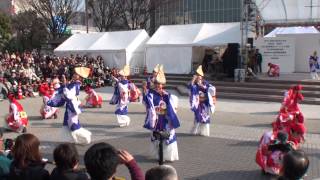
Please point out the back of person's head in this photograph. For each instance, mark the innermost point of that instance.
(26, 150)
(101, 161)
(66, 156)
(163, 172)
(295, 165)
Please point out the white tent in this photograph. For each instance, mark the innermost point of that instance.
(174, 46)
(279, 11)
(116, 48)
(292, 30)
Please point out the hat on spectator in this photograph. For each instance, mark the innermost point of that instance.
(82, 71)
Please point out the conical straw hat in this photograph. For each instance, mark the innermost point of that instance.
(156, 68)
(199, 71)
(161, 78)
(125, 71)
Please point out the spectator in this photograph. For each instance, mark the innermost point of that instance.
(258, 58)
(295, 165)
(67, 164)
(27, 162)
(163, 172)
(4, 160)
(102, 160)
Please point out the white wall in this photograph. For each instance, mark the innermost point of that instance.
(277, 50)
(175, 59)
(305, 45)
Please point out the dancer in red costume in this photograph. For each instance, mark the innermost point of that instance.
(17, 119)
(93, 100)
(46, 111)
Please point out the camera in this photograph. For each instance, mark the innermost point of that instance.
(161, 135)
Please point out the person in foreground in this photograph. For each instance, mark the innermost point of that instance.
(4, 160)
(67, 164)
(163, 172)
(102, 159)
(27, 162)
(295, 166)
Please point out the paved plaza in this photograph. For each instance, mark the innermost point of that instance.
(228, 154)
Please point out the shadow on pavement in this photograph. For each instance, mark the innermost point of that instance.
(265, 113)
(237, 175)
(268, 125)
(246, 143)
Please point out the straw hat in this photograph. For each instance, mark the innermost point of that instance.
(125, 71)
(82, 71)
(156, 68)
(199, 71)
(161, 78)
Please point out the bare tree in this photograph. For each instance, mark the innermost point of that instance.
(136, 13)
(104, 13)
(56, 14)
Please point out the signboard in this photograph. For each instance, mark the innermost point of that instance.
(277, 50)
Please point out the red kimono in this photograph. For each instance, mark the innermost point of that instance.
(17, 119)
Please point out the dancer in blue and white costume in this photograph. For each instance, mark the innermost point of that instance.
(202, 101)
(161, 116)
(122, 97)
(67, 94)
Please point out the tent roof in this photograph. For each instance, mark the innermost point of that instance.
(292, 30)
(273, 11)
(79, 42)
(206, 34)
(104, 41)
(120, 40)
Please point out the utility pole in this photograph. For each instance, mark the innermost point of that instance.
(240, 62)
(86, 16)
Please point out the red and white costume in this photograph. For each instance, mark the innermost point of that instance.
(93, 100)
(274, 70)
(46, 111)
(17, 119)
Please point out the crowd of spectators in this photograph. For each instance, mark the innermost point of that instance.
(22, 160)
(24, 72)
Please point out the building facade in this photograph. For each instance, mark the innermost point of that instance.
(195, 11)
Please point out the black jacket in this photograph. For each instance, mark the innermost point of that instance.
(68, 175)
(34, 171)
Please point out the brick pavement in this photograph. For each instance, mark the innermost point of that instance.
(227, 154)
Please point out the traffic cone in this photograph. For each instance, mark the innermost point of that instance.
(20, 95)
(145, 72)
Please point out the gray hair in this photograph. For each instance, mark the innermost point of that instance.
(163, 172)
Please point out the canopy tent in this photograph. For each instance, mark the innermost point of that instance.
(292, 30)
(174, 46)
(116, 48)
(274, 11)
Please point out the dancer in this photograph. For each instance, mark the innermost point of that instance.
(149, 83)
(292, 98)
(202, 100)
(274, 70)
(314, 66)
(162, 118)
(93, 100)
(67, 94)
(17, 120)
(122, 97)
(47, 112)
